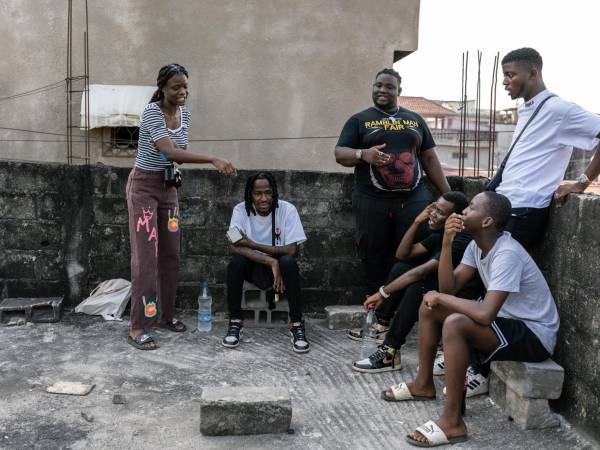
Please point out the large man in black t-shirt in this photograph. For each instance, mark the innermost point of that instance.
(389, 148)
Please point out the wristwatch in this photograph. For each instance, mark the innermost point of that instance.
(358, 154)
(583, 179)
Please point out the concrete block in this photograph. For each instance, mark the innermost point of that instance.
(259, 306)
(40, 310)
(497, 390)
(527, 413)
(244, 410)
(531, 380)
(345, 316)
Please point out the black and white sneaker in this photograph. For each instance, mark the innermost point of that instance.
(234, 331)
(477, 384)
(438, 364)
(385, 359)
(299, 340)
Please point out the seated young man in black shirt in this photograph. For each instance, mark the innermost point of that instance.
(410, 254)
(409, 288)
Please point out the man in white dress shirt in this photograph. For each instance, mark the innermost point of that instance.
(537, 163)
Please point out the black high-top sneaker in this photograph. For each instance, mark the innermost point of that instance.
(234, 331)
(299, 340)
(384, 359)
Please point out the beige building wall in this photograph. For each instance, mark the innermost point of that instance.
(258, 69)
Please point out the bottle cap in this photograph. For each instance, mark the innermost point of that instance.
(205, 284)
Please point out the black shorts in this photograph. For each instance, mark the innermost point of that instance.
(517, 343)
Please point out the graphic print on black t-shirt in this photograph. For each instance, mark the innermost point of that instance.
(403, 172)
(405, 134)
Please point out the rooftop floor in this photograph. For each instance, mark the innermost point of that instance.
(333, 407)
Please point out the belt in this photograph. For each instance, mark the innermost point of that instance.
(517, 211)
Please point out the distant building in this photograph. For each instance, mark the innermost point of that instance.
(444, 120)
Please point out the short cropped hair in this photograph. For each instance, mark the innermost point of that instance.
(524, 55)
(498, 207)
(391, 72)
(458, 199)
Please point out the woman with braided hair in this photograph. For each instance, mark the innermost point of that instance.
(154, 209)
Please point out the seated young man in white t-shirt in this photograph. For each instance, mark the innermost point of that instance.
(265, 255)
(517, 320)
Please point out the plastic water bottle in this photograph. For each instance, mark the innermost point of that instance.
(204, 309)
(369, 342)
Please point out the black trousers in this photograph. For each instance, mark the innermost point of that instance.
(387, 308)
(527, 225)
(407, 313)
(380, 226)
(241, 268)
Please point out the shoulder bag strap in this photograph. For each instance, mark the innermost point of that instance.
(495, 181)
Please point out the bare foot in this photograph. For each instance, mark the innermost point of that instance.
(450, 430)
(421, 390)
(428, 392)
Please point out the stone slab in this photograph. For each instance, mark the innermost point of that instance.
(41, 310)
(245, 410)
(70, 388)
(531, 380)
(527, 413)
(345, 316)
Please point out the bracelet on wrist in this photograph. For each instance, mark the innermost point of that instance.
(382, 292)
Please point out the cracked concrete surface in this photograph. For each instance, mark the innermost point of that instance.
(333, 407)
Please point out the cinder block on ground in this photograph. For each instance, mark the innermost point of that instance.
(527, 413)
(244, 410)
(259, 306)
(531, 380)
(32, 309)
(345, 316)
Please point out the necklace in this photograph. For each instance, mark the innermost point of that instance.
(392, 117)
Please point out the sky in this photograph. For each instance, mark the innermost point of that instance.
(564, 32)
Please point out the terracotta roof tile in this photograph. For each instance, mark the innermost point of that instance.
(424, 107)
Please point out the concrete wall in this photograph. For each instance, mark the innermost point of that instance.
(569, 260)
(64, 228)
(258, 69)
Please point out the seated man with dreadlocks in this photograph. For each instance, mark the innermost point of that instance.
(265, 255)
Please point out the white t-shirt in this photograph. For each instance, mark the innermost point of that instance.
(509, 268)
(288, 228)
(538, 162)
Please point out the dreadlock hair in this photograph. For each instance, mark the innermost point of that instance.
(391, 72)
(458, 200)
(250, 184)
(165, 74)
(525, 55)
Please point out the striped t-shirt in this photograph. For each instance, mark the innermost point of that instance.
(152, 128)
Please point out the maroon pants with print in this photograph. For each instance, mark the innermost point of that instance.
(154, 235)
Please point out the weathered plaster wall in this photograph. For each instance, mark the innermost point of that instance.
(258, 69)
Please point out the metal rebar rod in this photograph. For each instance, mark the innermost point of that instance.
(87, 86)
